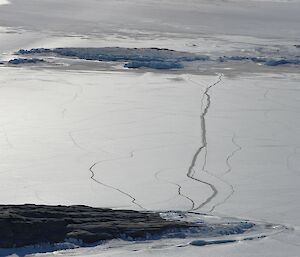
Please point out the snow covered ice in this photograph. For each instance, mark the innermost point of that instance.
(190, 109)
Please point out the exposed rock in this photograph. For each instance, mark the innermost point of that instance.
(264, 60)
(22, 225)
(242, 58)
(25, 61)
(211, 242)
(274, 62)
(159, 65)
(154, 58)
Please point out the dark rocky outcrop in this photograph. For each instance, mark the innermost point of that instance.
(264, 60)
(154, 58)
(159, 65)
(22, 225)
(17, 61)
(119, 54)
(277, 62)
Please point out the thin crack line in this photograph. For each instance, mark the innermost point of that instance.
(238, 148)
(288, 159)
(6, 137)
(178, 186)
(191, 168)
(229, 157)
(73, 99)
(91, 169)
(75, 142)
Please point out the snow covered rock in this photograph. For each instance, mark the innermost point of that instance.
(18, 61)
(154, 58)
(22, 225)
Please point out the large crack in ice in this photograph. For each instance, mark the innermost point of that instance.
(203, 147)
(130, 155)
(191, 170)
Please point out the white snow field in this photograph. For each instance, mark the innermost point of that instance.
(2, 2)
(224, 141)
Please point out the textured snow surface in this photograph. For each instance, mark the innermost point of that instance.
(118, 140)
(220, 140)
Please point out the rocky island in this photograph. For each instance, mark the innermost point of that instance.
(22, 225)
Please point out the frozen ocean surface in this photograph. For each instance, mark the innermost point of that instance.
(213, 141)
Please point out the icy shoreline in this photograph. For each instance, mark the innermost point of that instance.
(24, 225)
(42, 228)
(153, 58)
(78, 131)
